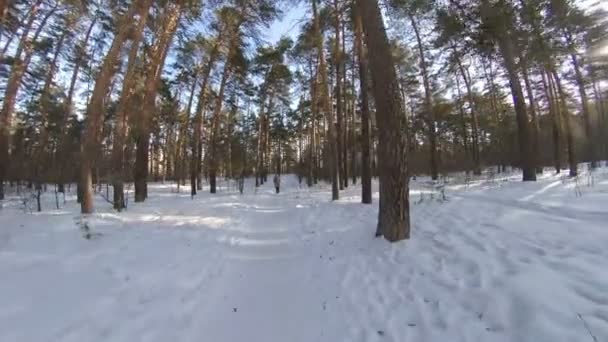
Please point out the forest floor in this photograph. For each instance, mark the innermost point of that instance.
(495, 260)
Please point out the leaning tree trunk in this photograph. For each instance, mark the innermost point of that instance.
(62, 149)
(25, 22)
(12, 88)
(506, 48)
(157, 61)
(474, 121)
(20, 66)
(366, 166)
(44, 110)
(124, 106)
(428, 104)
(199, 120)
(497, 15)
(393, 214)
(95, 111)
(580, 82)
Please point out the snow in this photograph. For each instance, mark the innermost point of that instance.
(498, 260)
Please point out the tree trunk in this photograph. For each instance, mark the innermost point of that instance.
(366, 167)
(580, 82)
(158, 54)
(532, 107)
(353, 122)
(44, 102)
(197, 143)
(62, 150)
(301, 141)
(465, 138)
(563, 109)
(393, 214)
(266, 150)
(599, 103)
(4, 6)
(326, 106)
(12, 88)
(339, 109)
(556, 122)
(428, 103)
(313, 129)
(215, 126)
(258, 155)
(194, 145)
(474, 121)
(527, 164)
(345, 107)
(95, 111)
(490, 76)
(124, 106)
(230, 132)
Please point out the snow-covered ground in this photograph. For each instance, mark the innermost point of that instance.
(499, 260)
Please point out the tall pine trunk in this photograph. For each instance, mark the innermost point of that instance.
(555, 122)
(506, 48)
(580, 82)
(215, 129)
(474, 121)
(601, 112)
(124, 106)
(565, 114)
(366, 166)
(183, 139)
(172, 15)
(339, 104)
(498, 16)
(332, 159)
(95, 111)
(393, 214)
(428, 103)
(199, 120)
(465, 135)
(532, 108)
(313, 129)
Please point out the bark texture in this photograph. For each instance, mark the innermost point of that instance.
(393, 214)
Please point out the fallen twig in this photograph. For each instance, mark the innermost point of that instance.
(587, 327)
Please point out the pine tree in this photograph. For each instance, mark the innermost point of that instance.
(393, 215)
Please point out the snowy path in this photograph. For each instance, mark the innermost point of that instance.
(499, 261)
(268, 283)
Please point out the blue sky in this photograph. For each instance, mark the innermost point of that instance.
(289, 25)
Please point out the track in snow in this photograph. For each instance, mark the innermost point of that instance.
(497, 262)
